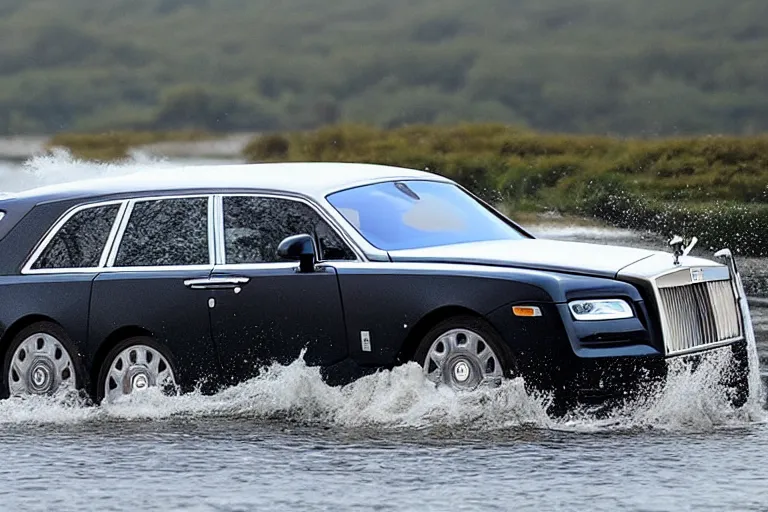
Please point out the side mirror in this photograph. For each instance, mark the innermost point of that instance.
(299, 248)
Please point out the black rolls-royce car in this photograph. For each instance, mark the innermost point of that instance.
(207, 274)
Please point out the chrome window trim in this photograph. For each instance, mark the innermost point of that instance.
(216, 246)
(211, 231)
(113, 234)
(324, 215)
(120, 233)
(218, 228)
(261, 266)
(110, 266)
(155, 268)
(54, 230)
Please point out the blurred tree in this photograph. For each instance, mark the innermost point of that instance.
(626, 67)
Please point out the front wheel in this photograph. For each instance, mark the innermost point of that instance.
(135, 365)
(464, 352)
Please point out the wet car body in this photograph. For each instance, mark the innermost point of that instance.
(220, 305)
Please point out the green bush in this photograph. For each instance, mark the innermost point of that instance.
(115, 145)
(268, 148)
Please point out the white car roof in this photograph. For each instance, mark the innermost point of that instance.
(314, 180)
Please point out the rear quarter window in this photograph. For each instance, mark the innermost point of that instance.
(80, 242)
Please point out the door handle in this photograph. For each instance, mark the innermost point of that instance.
(216, 283)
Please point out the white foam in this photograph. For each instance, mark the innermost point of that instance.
(388, 399)
(691, 400)
(61, 167)
(67, 408)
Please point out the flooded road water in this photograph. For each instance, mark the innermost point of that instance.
(286, 441)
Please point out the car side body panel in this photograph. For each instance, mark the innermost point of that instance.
(391, 303)
(276, 315)
(159, 303)
(388, 301)
(63, 299)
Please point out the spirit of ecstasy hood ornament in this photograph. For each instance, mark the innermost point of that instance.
(677, 246)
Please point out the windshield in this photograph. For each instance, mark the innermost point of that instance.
(416, 214)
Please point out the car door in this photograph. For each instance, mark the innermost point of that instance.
(162, 244)
(262, 309)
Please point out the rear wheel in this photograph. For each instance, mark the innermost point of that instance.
(39, 361)
(135, 365)
(464, 352)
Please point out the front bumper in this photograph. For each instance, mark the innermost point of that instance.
(616, 375)
(597, 361)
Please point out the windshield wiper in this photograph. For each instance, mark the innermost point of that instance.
(405, 189)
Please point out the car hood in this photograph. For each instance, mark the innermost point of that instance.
(573, 257)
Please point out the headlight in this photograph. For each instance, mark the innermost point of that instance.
(600, 309)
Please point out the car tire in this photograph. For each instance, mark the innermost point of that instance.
(464, 352)
(39, 360)
(136, 363)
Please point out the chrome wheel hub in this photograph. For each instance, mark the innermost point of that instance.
(461, 371)
(140, 382)
(40, 366)
(137, 369)
(462, 359)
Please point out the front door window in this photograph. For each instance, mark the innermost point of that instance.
(255, 226)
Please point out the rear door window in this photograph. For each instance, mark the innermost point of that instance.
(80, 241)
(166, 232)
(255, 226)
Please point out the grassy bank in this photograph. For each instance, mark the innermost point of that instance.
(712, 187)
(111, 146)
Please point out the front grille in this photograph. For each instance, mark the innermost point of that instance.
(697, 315)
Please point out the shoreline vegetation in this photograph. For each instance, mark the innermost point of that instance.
(712, 187)
(117, 145)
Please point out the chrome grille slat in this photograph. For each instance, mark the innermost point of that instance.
(697, 315)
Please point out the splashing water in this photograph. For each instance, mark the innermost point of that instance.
(60, 167)
(691, 399)
(756, 389)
